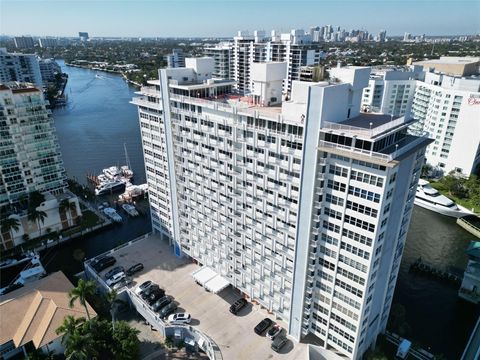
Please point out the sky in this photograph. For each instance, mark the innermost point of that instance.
(223, 18)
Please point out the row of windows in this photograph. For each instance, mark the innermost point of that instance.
(359, 223)
(343, 333)
(330, 226)
(344, 322)
(354, 264)
(357, 237)
(340, 343)
(328, 239)
(362, 209)
(334, 199)
(364, 194)
(335, 185)
(332, 213)
(346, 300)
(351, 276)
(349, 288)
(338, 170)
(344, 310)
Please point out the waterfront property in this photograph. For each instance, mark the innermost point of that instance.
(302, 204)
(31, 315)
(233, 335)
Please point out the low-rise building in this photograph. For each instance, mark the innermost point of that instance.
(33, 313)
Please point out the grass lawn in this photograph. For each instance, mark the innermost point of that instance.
(465, 202)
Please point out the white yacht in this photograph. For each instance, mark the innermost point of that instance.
(110, 187)
(130, 209)
(429, 198)
(112, 214)
(112, 172)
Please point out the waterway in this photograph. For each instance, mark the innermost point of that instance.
(99, 119)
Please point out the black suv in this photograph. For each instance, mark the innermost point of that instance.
(164, 301)
(146, 293)
(262, 326)
(134, 269)
(154, 296)
(167, 310)
(103, 263)
(237, 306)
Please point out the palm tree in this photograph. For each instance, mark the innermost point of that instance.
(9, 224)
(114, 303)
(35, 199)
(84, 288)
(69, 327)
(79, 347)
(37, 216)
(63, 207)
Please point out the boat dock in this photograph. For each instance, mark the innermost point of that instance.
(420, 267)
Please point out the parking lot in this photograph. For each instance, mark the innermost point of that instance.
(210, 312)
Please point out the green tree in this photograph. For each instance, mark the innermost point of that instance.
(84, 289)
(35, 198)
(79, 347)
(168, 341)
(114, 303)
(37, 217)
(65, 206)
(69, 326)
(9, 225)
(126, 342)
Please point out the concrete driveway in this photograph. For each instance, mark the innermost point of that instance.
(210, 312)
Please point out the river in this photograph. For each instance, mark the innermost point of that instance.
(99, 119)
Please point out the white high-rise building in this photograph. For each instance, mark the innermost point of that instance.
(295, 48)
(390, 89)
(302, 205)
(222, 54)
(31, 160)
(19, 67)
(47, 42)
(448, 110)
(49, 69)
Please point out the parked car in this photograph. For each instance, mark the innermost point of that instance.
(180, 318)
(274, 331)
(103, 263)
(116, 278)
(167, 310)
(134, 269)
(237, 306)
(146, 293)
(122, 283)
(142, 287)
(154, 296)
(160, 303)
(279, 343)
(115, 270)
(262, 326)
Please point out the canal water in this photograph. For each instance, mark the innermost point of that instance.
(99, 119)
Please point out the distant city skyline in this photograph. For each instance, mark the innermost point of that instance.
(223, 18)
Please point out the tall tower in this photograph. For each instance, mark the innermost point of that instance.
(302, 205)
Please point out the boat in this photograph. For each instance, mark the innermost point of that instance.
(28, 256)
(32, 271)
(110, 187)
(429, 198)
(112, 214)
(130, 209)
(132, 192)
(111, 172)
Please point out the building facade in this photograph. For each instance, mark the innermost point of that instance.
(222, 54)
(31, 159)
(296, 203)
(47, 42)
(23, 42)
(390, 89)
(176, 59)
(49, 69)
(448, 108)
(19, 67)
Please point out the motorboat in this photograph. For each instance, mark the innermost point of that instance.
(112, 214)
(429, 198)
(112, 172)
(130, 209)
(110, 187)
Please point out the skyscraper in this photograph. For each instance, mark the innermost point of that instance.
(23, 42)
(176, 59)
(31, 160)
(303, 205)
(20, 67)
